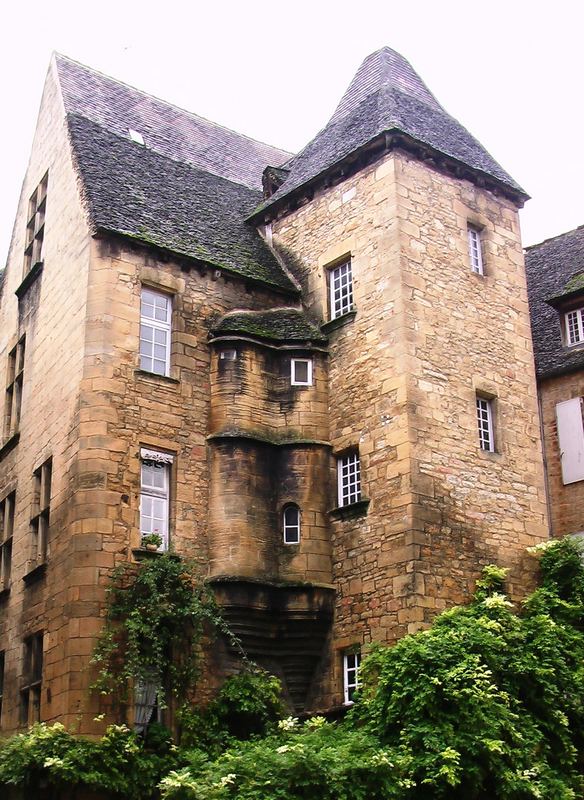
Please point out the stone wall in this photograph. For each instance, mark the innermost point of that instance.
(566, 501)
(427, 335)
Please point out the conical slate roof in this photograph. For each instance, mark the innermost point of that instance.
(387, 95)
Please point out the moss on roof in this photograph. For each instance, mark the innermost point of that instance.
(279, 325)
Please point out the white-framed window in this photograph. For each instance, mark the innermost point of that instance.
(301, 372)
(341, 289)
(351, 665)
(485, 424)
(349, 478)
(291, 524)
(475, 250)
(155, 494)
(574, 326)
(155, 331)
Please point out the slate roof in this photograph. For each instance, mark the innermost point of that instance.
(387, 95)
(280, 324)
(166, 129)
(187, 189)
(553, 271)
(137, 192)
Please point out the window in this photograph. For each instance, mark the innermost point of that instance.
(351, 664)
(145, 705)
(341, 289)
(41, 508)
(14, 389)
(155, 329)
(35, 228)
(6, 534)
(2, 671)
(571, 439)
(485, 424)
(475, 251)
(574, 326)
(301, 372)
(155, 494)
(349, 479)
(291, 524)
(30, 692)
(228, 355)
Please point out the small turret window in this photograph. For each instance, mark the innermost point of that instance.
(291, 524)
(301, 372)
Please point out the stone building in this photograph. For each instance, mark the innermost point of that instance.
(555, 272)
(313, 374)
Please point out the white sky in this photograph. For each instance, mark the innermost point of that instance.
(511, 72)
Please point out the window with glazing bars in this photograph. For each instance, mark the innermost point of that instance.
(475, 251)
(14, 383)
(35, 228)
(574, 326)
(341, 289)
(349, 479)
(155, 496)
(155, 331)
(351, 665)
(485, 424)
(41, 511)
(30, 690)
(6, 534)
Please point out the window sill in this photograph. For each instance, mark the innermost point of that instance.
(35, 573)
(11, 442)
(350, 511)
(28, 280)
(339, 322)
(143, 373)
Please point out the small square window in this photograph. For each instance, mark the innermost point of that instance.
(485, 424)
(155, 332)
(228, 355)
(475, 250)
(341, 289)
(574, 326)
(351, 666)
(301, 372)
(349, 479)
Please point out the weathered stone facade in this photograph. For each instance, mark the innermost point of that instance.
(394, 379)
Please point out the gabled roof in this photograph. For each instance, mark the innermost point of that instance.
(168, 130)
(286, 325)
(187, 189)
(387, 95)
(554, 269)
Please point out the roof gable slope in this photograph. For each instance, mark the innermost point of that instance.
(166, 129)
(137, 192)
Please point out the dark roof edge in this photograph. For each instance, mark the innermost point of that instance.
(557, 372)
(197, 262)
(557, 236)
(393, 139)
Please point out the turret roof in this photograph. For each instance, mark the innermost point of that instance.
(387, 95)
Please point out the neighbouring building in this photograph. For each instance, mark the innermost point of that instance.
(311, 373)
(555, 272)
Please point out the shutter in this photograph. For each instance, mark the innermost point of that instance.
(571, 439)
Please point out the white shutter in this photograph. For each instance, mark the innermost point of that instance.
(571, 438)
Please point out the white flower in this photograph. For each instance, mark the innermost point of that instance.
(288, 724)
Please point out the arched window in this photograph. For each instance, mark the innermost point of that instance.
(291, 524)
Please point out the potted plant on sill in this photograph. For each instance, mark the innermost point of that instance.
(151, 541)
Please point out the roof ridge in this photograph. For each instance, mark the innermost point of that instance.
(60, 56)
(557, 236)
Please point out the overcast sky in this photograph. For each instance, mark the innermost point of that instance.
(511, 72)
